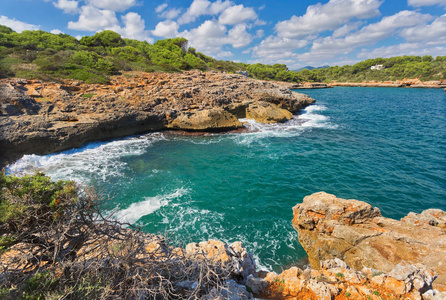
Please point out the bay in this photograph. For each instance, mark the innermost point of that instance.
(385, 146)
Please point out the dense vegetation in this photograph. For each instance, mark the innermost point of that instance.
(43, 55)
(47, 56)
(395, 68)
(56, 244)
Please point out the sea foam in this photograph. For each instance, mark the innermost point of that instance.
(149, 205)
(101, 160)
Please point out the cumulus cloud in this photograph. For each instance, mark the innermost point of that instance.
(330, 16)
(431, 34)
(134, 28)
(403, 49)
(203, 7)
(346, 29)
(113, 5)
(369, 34)
(211, 38)
(68, 6)
(418, 3)
(94, 19)
(171, 13)
(161, 7)
(166, 29)
(274, 49)
(237, 14)
(16, 25)
(238, 36)
(56, 31)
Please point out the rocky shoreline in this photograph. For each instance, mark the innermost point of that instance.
(45, 117)
(409, 83)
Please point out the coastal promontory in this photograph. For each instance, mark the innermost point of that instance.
(43, 117)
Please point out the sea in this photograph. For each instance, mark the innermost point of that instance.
(384, 146)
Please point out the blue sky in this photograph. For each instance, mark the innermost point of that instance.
(294, 32)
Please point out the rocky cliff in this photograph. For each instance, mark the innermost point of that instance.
(357, 233)
(43, 117)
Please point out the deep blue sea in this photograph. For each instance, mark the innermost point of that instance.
(385, 146)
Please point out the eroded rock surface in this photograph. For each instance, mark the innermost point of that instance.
(354, 231)
(336, 280)
(43, 117)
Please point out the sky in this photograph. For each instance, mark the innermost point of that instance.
(293, 32)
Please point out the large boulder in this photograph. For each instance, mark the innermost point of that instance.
(265, 112)
(205, 120)
(355, 232)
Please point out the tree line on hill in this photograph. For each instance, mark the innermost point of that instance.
(92, 59)
(394, 68)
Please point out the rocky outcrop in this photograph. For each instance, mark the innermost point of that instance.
(265, 112)
(44, 117)
(205, 120)
(234, 256)
(336, 280)
(354, 231)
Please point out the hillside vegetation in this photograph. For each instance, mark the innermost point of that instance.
(395, 68)
(92, 59)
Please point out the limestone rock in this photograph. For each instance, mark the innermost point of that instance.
(355, 232)
(264, 112)
(233, 256)
(231, 291)
(131, 104)
(336, 280)
(205, 120)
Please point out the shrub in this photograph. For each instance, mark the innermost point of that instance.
(62, 246)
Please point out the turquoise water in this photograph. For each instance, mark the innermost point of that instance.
(381, 145)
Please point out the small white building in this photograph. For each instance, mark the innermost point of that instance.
(377, 67)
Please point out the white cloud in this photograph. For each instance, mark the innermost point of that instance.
(418, 3)
(56, 31)
(113, 5)
(238, 36)
(208, 38)
(346, 29)
(17, 26)
(431, 34)
(237, 14)
(260, 33)
(328, 16)
(196, 9)
(369, 34)
(403, 49)
(166, 29)
(274, 49)
(94, 19)
(171, 13)
(161, 7)
(203, 7)
(211, 38)
(68, 6)
(134, 28)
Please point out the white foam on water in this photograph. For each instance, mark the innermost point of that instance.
(149, 205)
(99, 160)
(311, 117)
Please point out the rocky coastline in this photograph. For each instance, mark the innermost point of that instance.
(408, 83)
(354, 252)
(45, 117)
